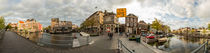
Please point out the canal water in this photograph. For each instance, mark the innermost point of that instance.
(179, 44)
(53, 40)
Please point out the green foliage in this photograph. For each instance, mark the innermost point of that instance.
(16, 27)
(2, 22)
(209, 26)
(192, 31)
(47, 28)
(159, 26)
(156, 24)
(8, 27)
(204, 31)
(88, 23)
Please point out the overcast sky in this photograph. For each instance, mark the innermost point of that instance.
(175, 13)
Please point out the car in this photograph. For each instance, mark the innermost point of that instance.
(151, 36)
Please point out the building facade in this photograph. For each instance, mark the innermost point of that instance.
(110, 22)
(131, 22)
(30, 25)
(93, 23)
(58, 26)
(143, 28)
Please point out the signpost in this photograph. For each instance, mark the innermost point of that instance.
(108, 29)
(121, 12)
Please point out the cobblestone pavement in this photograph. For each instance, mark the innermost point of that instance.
(12, 43)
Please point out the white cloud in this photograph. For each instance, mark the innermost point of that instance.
(169, 11)
(175, 13)
(203, 9)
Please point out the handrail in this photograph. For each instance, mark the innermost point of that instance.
(122, 45)
(2, 31)
(205, 45)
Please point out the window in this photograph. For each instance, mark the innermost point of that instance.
(127, 24)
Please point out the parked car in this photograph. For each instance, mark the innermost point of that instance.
(151, 36)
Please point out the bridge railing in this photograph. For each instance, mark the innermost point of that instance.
(2, 33)
(123, 48)
(204, 46)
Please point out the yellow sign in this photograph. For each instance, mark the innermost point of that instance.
(121, 12)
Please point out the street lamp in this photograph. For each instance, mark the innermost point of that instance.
(118, 28)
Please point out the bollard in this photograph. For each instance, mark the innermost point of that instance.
(118, 44)
(87, 40)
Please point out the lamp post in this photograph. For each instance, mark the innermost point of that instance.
(118, 28)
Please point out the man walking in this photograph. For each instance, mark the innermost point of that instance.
(110, 35)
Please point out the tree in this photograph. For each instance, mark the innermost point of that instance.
(167, 28)
(47, 28)
(192, 31)
(8, 26)
(209, 26)
(204, 31)
(16, 27)
(89, 23)
(156, 25)
(2, 22)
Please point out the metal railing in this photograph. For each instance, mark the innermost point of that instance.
(2, 33)
(203, 46)
(123, 48)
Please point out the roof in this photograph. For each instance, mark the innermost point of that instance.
(142, 22)
(21, 21)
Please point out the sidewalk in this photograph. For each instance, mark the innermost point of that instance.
(137, 47)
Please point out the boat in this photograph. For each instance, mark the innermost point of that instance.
(164, 39)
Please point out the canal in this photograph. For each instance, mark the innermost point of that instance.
(179, 44)
(54, 40)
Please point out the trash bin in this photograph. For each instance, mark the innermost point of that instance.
(138, 39)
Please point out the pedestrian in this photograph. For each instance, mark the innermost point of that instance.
(108, 34)
(121, 34)
(111, 35)
(127, 34)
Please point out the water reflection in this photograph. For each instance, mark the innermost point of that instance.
(179, 44)
(32, 36)
(51, 40)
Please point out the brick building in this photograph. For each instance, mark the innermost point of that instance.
(131, 22)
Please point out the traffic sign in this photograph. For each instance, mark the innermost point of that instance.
(121, 12)
(108, 29)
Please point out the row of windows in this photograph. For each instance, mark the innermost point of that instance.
(131, 24)
(132, 19)
(110, 25)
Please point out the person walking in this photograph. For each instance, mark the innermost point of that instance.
(127, 34)
(121, 33)
(110, 35)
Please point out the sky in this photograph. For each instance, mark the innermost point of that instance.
(175, 13)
